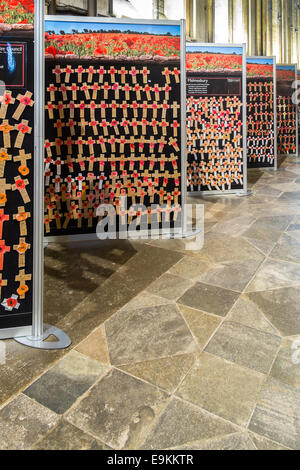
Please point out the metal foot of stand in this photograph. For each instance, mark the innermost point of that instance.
(190, 234)
(247, 194)
(63, 340)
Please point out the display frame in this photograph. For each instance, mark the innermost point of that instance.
(244, 191)
(178, 231)
(297, 118)
(275, 168)
(36, 328)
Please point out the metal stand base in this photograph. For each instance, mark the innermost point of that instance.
(191, 234)
(247, 194)
(63, 340)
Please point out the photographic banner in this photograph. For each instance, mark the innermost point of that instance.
(216, 156)
(261, 112)
(16, 162)
(287, 127)
(113, 123)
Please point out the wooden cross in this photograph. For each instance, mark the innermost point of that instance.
(5, 100)
(83, 125)
(59, 125)
(167, 73)
(3, 218)
(175, 106)
(20, 185)
(3, 250)
(3, 283)
(23, 129)
(52, 89)
(157, 90)
(68, 70)
(57, 72)
(85, 89)
(21, 217)
(3, 188)
(25, 100)
(6, 128)
(22, 248)
(22, 278)
(4, 157)
(122, 72)
(145, 72)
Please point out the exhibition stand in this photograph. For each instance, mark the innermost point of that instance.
(261, 112)
(216, 119)
(115, 126)
(287, 116)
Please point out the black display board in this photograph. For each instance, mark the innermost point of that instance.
(16, 175)
(113, 127)
(215, 107)
(287, 130)
(261, 105)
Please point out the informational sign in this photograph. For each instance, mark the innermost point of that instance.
(13, 64)
(261, 112)
(287, 119)
(16, 165)
(216, 155)
(218, 86)
(113, 123)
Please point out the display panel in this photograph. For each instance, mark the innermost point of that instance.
(113, 122)
(261, 112)
(215, 118)
(16, 162)
(298, 106)
(287, 127)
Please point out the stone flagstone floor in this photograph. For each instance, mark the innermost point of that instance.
(172, 348)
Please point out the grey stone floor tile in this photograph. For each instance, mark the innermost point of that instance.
(275, 274)
(191, 267)
(222, 388)
(237, 441)
(232, 275)
(287, 248)
(246, 312)
(281, 307)
(210, 299)
(182, 423)
(277, 415)
(245, 346)
(144, 300)
(165, 373)
(169, 286)
(201, 324)
(262, 443)
(60, 387)
(23, 422)
(234, 226)
(149, 333)
(223, 249)
(95, 346)
(67, 437)
(295, 225)
(265, 247)
(119, 410)
(286, 367)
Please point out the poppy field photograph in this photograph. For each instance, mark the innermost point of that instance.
(107, 40)
(260, 67)
(19, 12)
(285, 72)
(214, 58)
